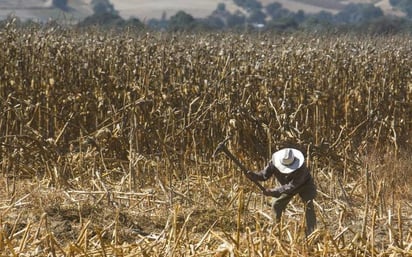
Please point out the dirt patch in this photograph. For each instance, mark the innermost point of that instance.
(46, 211)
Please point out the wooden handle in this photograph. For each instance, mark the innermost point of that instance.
(241, 166)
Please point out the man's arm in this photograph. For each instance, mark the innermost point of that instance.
(299, 178)
(261, 175)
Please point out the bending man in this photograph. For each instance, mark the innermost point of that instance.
(288, 166)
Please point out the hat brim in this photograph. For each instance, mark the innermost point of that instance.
(286, 169)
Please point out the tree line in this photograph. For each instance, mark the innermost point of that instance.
(253, 15)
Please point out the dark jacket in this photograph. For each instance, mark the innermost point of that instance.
(290, 183)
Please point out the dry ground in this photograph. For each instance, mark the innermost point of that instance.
(200, 215)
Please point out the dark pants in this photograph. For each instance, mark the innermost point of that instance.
(307, 193)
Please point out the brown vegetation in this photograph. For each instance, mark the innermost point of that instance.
(106, 143)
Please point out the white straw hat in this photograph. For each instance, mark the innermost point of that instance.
(288, 160)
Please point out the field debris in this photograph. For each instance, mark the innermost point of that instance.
(106, 141)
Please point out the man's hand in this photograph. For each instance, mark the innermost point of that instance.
(250, 175)
(271, 192)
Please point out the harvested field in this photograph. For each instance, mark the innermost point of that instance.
(106, 142)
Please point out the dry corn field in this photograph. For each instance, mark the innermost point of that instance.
(107, 140)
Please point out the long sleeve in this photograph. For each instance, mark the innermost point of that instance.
(263, 174)
(291, 182)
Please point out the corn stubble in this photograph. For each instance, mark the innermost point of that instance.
(106, 142)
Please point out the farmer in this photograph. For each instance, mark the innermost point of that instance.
(288, 166)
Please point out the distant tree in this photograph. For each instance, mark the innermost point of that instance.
(218, 18)
(388, 26)
(249, 5)
(61, 4)
(273, 7)
(221, 7)
(257, 17)
(358, 13)
(300, 16)
(235, 20)
(213, 23)
(220, 11)
(181, 21)
(276, 11)
(318, 22)
(283, 24)
(395, 2)
(322, 21)
(408, 10)
(103, 6)
(134, 23)
(324, 16)
(105, 15)
(159, 24)
(103, 20)
(404, 5)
